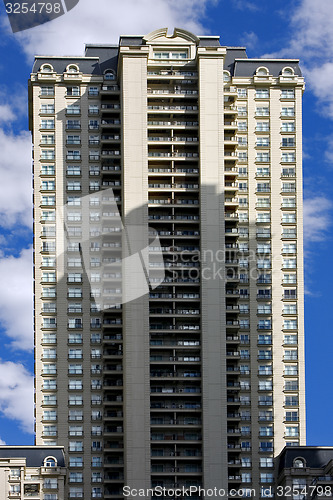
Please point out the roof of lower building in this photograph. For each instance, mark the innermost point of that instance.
(34, 455)
(315, 457)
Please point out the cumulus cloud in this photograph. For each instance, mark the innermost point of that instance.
(15, 174)
(103, 21)
(311, 37)
(16, 296)
(250, 40)
(16, 394)
(245, 5)
(317, 218)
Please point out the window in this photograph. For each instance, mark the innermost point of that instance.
(291, 370)
(74, 217)
(288, 111)
(50, 384)
(291, 416)
(51, 484)
(47, 124)
(74, 155)
(289, 248)
(75, 400)
(266, 446)
(48, 186)
(75, 446)
(242, 126)
(47, 139)
(262, 127)
(47, 91)
(262, 141)
(290, 324)
(109, 75)
(50, 415)
(74, 262)
(288, 127)
(262, 71)
(75, 384)
(15, 473)
(73, 124)
(47, 154)
(263, 217)
(262, 93)
(75, 292)
(48, 277)
(73, 91)
(242, 110)
(266, 477)
(263, 187)
(93, 125)
(288, 157)
(75, 461)
(226, 76)
(171, 55)
(264, 339)
(15, 489)
(264, 309)
(299, 463)
(74, 201)
(75, 415)
(289, 278)
(73, 170)
(292, 431)
(47, 109)
(265, 369)
(265, 385)
(75, 338)
(93, 109)
(263, 157)
(73, 139)
(287, 94)
(48, 170)
(72, 68)
(96, 461)
(246, 477)
(290, 309)
(93, 91)
(241, 92)
(75, 353)
(290, 339)
(75, 477)
(290, 355)
(75, 492)
(262, 111)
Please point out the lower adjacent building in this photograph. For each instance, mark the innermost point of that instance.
(32, 472)
(305, 473)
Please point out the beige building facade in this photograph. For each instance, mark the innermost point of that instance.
(186, 371)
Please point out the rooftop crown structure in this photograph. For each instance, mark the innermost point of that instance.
(168, 264)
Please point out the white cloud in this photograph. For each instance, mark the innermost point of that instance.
(15, 175)
(245, 5)
(2, 443)
(311, 39)
(16, 394)
(103, 21)
(6, 113)
(16, 304)
(250, 40)
(317, 218)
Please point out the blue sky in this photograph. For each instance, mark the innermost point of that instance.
(277, 28)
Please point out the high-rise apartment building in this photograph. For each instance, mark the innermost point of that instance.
(197, 380)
